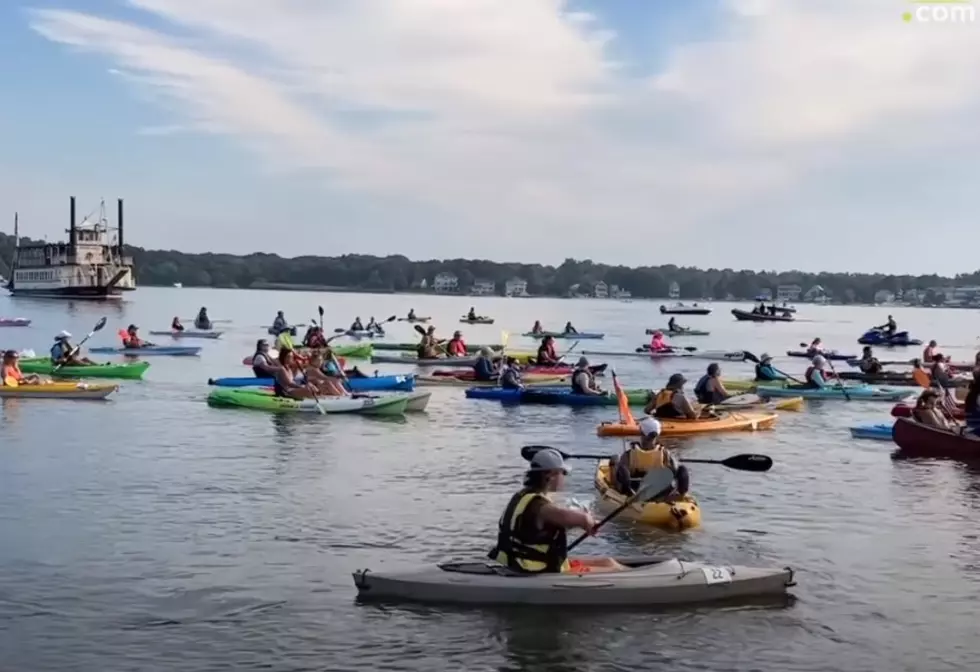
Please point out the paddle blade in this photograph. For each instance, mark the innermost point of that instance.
(528, 452)
(504, 337)
(749, 462)
(392, 318)
(655, 483)
(319, 309)
(419, 328)
(338, 330)
(99, 325)
(748, 356)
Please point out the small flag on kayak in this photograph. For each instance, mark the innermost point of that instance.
(625, 415)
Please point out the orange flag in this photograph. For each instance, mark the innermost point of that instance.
(625, 415)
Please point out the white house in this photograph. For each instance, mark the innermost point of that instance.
(516, 287)
(483, 288)
(600, 290)
(617, 292)
(884, 296)
(445, 283)
(788, 292)
(816, 294)
(675, 291)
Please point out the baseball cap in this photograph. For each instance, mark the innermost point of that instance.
(549, 460)
(649, 426)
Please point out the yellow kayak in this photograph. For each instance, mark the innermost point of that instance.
(726, 422)
(529, 379)
(747, 385)
(680, 515)
(59, 391)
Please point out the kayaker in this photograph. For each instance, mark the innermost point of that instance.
(131, 338)
(815, 376)
(428, 348)
(675, 328)
(483, 369)
(816, 348)
(671, 402)
(569, 329)
(262, 364)
(284, 382)
(647, 456)
(939, 372)
(411, 315)
(583, 380)
(709, 389)
(329, 385)
(764, 370)
(63, 353)
(920, 375)
(471, 316)
(658, 344)
(314, 338)
(868, 363)
(357, 326)
(10, 373)
(930, 352)
(510, 376)
(537, 328)
(456, 347)
(532, 533)
(547, 356)
(175, 325)
(202, 321)
(280, 324)
(928, 413)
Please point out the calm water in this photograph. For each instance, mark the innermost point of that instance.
(152, 532)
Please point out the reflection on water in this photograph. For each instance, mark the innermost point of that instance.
(153, 532)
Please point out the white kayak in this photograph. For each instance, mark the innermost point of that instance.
(188, 333)
(647, 582)
(713, 355)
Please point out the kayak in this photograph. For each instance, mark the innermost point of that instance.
(416, 401)
(226, 397)
(828, 354)
(411, 358)
(59, 391)
(292, 331)
(412, 320)
(895, 378)
(410, 347)
(479, 320)
(880, 432)
(905, 411)
(917, 440)
(681, 309)
(362, 333)
(680, 515)
(648, 582)
(376, 383)
(878, 337)
(530, 370)
(859, 392)
(684, 332)
(127, 371)
(753, 402)
(14, 322)
(578, 336)
(530, 380)
(354, 351)
(162, 350)
(188, 334)
(748, 316)
(644, 352)
(725, 422)
(555, 396)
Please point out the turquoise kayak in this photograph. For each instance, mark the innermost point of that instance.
(881, 432)
(859, 392)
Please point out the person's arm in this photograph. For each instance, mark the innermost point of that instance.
(583, 384)
(684, 405)
(651, 406)
(561, 517)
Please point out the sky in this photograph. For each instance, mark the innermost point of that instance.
(763, 134)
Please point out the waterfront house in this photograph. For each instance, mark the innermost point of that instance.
(600, 290)
(445, 283)
(483, 288)
(788, 292)
(516, 287)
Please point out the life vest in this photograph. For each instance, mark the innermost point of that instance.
(657, 344)
(457, 347)
(664, 404)
(547, 354)
(524, 547)
(644, 461)
(576, 386)
(10, 375)
(921, 377)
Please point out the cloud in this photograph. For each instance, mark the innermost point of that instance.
(513, 117)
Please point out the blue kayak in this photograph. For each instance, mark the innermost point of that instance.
(858, 392)
(171, 350)
(404, 383)
(878, 337)
(554, 396)
(882, 432)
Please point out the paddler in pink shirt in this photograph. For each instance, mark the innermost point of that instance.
(658, 344)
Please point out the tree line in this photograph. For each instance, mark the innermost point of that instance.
(398, 273)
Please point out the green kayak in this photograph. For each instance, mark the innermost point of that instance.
(234, 397)
(355, 351)
(125, 371)
(411, 347)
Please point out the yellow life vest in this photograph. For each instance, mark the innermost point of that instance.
(644, 461)
(523, 547)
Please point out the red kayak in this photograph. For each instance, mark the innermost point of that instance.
(905, 411)
(918, 440)
(467, 374)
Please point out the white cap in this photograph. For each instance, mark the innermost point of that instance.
(649, 426)
(549, 460)
(63, 334)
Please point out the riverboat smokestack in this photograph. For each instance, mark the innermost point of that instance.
(72, 236)
(119, 218)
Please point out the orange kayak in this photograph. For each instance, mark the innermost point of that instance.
(726, 422)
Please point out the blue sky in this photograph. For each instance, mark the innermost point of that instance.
(734, 133)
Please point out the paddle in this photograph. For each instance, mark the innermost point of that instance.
(319, 309)
(78, 348)
(568, 352)
(744, 462)
(843, 388)
(748, 356)
(654, 486)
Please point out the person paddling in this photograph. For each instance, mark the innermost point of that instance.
(279, 325)
(816, 373)
(646, 456)
(764, 370)
(537, 328)
(927, 412)
(869, 364)
(411, 315)
(63, 353)
(484, 369)
(709, 389)
(547, 356)
(131, 338)
(314, 338)
(816, 348)
(675, 328)
(357, 325)
(471, 316)
(176, 326)
(428, 347)
(671, 402)
(284, 382)
(329, 385)
(930, 352)
(510, 376)
(569, 329)
(532, 532)
(658, 344)
(202, 321)
(456, 347)
(583, 380)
